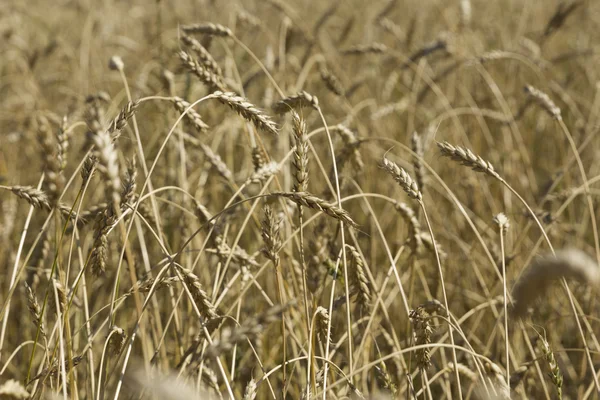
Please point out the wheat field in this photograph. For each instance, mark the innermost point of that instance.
(299, 199)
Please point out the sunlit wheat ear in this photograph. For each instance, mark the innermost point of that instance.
(217, 162)
(213, 81)
(13, 390)
(264, 173)
(120, 121)
(248, 20)
(270, 235)
(422, 330)
(62, 141)
(99, 254)
(373, 48)
(88, 168)
(544, 101)
(300, 160)
(331, 81)
(205, 306)
(130, 183)
(351, 145)
(497, 376)
(555, 373)
(259, 158)
(250, 391)
(402, 178)
(467, 158)
(204, 57)
(571, 264)
(321, 323)
(35, 309)
(358, 279)
(418, 167)
(191, 116)
(39, 199)
(33, 196)
(108, 162)
(385, 380)
(208, 28)
(311, 201)
(248, 111)
(54, 180)
(296, 102)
